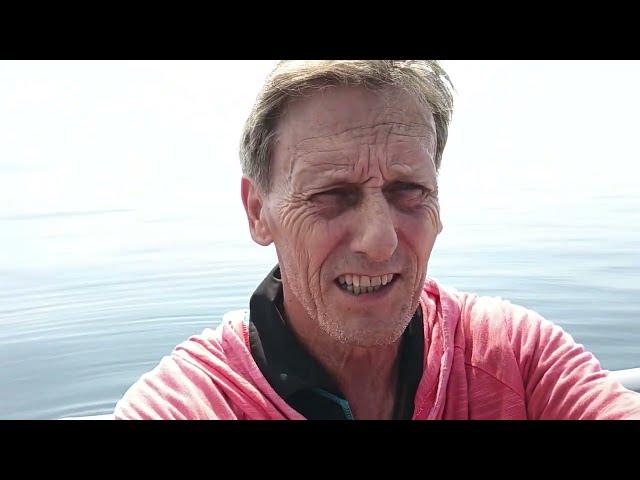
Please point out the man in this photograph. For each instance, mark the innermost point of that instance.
(340, 162)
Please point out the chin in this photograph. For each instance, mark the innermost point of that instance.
(358, 332)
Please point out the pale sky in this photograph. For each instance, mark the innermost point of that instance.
(566, 124)
(159, 139)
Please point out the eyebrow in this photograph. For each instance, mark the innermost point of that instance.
(341, 182)
(336, 166)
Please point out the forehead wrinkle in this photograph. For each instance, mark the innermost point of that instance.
(336, 166)
(331, 159)
(400, 129)
(327, 174)
(307, 174)
(339, 152)
(326, 148)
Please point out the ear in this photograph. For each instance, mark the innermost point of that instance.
(253, 201)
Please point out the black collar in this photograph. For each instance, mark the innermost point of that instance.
(299, 379)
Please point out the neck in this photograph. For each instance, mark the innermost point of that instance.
(367, 376)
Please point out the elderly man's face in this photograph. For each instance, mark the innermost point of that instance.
(353, 210)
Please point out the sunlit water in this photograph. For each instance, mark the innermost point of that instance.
(78, 328)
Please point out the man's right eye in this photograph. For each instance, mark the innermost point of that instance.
(338, 196)
(339, 192)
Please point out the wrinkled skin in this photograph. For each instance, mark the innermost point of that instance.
(354, 190)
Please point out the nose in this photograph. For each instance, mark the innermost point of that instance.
(374, 232)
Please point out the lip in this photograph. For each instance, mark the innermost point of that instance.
(367, 274)
(370, 297)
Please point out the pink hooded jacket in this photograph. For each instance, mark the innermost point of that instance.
(484, 358)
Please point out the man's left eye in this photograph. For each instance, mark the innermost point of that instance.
(410, 188)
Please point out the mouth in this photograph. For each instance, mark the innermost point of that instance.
(357, 285)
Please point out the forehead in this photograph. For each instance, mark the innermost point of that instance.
(331, 128)
(329, 111)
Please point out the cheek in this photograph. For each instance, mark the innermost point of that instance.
(307, 238)
(420, 232)
(435, 223)
(323, 241)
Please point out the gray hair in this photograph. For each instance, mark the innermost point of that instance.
(425, 80)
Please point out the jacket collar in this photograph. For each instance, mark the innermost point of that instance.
(297, 377)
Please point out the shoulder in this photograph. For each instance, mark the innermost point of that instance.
(493, 333)
(477, 316)
(190, 382)
(483, 319)
(227, 339)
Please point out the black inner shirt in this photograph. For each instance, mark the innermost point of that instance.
(299, 379)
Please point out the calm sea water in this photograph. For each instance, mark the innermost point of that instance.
(84, 310)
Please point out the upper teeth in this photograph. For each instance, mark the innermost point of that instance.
(364, 280)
